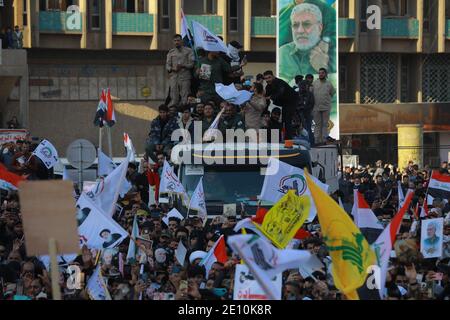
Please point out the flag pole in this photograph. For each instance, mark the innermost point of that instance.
(108, 130)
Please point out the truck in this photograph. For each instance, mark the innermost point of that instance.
(233, 179)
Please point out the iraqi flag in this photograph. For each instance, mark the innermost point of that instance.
(185, 32)
(110, 117)
(218, 253)
(100, 114)
(383, 245)
(439, 186)
(8, 180)
(364, 218)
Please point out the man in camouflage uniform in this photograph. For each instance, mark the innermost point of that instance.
(160, 135)
(179, 64)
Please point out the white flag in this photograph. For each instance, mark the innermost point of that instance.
(131, 254)
(212, 131)
(281, 177)
(233, 95)
(106, 191)
(97, 230)
(170, 183)
(105, 164)
(401, 196)
(174, 213)
(180, 253)
(264, 260)
(47, 153)
(203, 38)
(131, 152)
(198, 201)
(96, 286)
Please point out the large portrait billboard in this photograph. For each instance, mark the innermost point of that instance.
(307, 36)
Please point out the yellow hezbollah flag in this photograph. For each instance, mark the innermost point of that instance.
(284, 219)
(350, 252)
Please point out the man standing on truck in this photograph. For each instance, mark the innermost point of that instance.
(230, 120)
(283, 95)
(323, 95)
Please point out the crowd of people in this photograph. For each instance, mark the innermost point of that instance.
(11, 39)
(156, 274)
(274, 105)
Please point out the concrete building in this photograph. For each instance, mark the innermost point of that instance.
(399, 75)
(121, 44)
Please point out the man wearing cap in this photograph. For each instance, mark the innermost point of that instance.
(179, 63)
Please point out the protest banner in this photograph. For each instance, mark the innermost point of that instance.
(49, 222)
(246, 287)
(12, 135)
(432, 238)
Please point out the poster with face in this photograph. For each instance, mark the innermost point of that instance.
(95, 229)
(307, 42)
(431, 238)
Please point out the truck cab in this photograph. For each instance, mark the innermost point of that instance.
(233, 174)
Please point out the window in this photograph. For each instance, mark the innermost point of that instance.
(25, 15)
(363, 15)
(94, 14)
(233, 15)
(55, 5)
(404, 84)
(447, 8)
(395, 8)
(343, 8)
(273, 7)
(262, 8)
(165, 15)
(426, 16)
(210, 7)
(200, 7)
(130, 6)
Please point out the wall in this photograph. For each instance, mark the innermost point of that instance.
(62, 122)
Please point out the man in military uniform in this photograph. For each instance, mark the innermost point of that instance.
(179, 64)
(230, 120)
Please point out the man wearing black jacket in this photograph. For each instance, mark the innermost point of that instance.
(305, 108)
(283, 95)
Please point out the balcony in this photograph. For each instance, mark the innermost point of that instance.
(400, 28)
(55, 22)
(132, 23)
(212, 22)
(346, 28)
(264, 27)
(447, 29)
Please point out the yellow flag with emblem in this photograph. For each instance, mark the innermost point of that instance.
(284, 219)
(350, 252)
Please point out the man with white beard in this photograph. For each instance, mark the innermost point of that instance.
(309, 51)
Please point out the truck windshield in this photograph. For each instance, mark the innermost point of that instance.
(227, 185)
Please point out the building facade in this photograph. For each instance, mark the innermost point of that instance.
(398, 75)
(121, 44)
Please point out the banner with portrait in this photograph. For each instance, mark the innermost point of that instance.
(307, 42)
